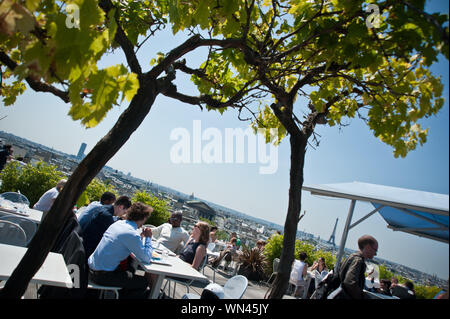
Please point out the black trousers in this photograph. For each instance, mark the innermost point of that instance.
(133, 286)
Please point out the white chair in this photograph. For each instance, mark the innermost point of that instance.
(12, 234)
(15, 197)
(234, 288)
(26, 224)
(275, 264)
(301, 284)
(187, 283)
(103, 289)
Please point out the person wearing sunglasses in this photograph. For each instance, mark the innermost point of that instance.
(195, 249)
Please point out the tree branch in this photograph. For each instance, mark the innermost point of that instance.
(38, 86)
(122, 39)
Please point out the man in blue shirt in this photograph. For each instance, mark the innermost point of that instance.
(107, 198)
(101, 218)
(119, 241)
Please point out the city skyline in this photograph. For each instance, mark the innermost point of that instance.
(345, 154)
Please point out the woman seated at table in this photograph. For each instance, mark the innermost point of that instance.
(320, 266)
(320, 270)
(194, 251)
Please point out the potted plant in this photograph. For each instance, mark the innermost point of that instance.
(253, 262)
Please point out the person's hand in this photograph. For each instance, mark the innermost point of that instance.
(147, 232)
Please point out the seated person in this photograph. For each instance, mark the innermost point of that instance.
(227, 253)
(101, 218)
(171, 234)
(260, 244)
(298, 272)
(107, 198)
(403, 292)
(385, 286)
(194, 251)
(119, 241)
(48, 198)
(212, 234)
(238, 240)
(320, 270)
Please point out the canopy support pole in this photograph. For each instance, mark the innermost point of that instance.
(367, 216)
(344, 236)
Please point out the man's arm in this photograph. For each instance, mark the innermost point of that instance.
(157, 231)
(143, 252)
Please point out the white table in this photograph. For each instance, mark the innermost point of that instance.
(177, 268)
(53, 271)
(33, 214)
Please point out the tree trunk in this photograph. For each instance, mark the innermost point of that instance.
(298, 149)
(61, 210)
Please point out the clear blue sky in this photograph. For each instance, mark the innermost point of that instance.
(350, 154)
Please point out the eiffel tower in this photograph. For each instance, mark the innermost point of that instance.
(331, 240)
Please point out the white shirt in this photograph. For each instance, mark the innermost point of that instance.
(170, 237)
(297, 271)
(45, 202)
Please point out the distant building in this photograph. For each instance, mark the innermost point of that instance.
(202, 208)
(80, 154)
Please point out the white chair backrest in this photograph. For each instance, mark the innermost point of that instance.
(235, 287)
(275, 264)
(12, 234)
(26, 224)
(203, 264)
(15, 197)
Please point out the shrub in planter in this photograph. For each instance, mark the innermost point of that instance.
(253, 262)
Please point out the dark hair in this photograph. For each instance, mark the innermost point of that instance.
(366, 240)
(213, 228)
(409, 285)
(124, 201)
(387, 282)
(7, 146)
(208, 294)
(107, 197)
(178, 214)
(138, 211)
(303, 256)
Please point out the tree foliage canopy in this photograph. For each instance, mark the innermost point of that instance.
(160, 214)
(321, 51)
(325, 53)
